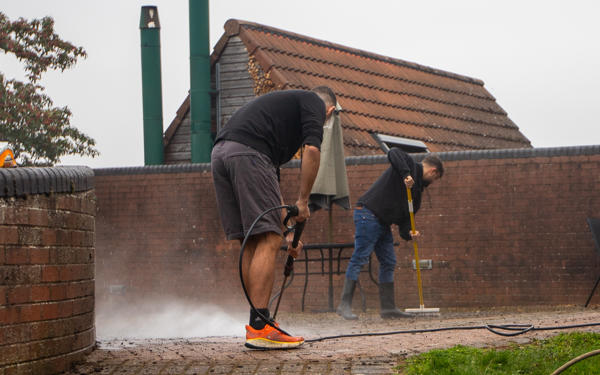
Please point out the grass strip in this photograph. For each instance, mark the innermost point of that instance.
(540, 357)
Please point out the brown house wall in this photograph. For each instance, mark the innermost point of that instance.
(500, 232)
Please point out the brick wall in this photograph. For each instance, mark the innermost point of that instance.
(46, 269)
(500, 229)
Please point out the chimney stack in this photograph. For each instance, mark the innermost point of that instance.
(151, 86)
(200, 98)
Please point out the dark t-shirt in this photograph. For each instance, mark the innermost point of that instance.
(277, 124)
(387, 198)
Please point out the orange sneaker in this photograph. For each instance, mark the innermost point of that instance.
(271, 338)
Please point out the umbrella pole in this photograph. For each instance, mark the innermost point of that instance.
(330, 240)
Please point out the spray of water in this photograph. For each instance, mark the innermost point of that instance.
(171, 319)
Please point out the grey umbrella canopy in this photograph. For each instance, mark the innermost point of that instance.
(331, 183)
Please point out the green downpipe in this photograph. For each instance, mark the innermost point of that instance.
(200, 82)
(151, 86)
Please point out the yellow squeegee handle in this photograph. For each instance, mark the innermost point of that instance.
(414, 241)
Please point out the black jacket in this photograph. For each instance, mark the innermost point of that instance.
(387, 198)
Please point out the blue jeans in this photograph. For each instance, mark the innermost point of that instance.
(371, 234)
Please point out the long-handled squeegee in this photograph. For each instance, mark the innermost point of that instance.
(421, 309)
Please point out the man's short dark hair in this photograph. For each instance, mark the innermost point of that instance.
(326, 94)
(435, 162)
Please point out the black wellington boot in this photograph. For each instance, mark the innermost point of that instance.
(388, 306)
(345, 307)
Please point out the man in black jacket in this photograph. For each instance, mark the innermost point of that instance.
(259, 137)
(384, 204)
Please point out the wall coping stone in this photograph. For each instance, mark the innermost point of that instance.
(513, 153)
(21, 181)
(154, 169)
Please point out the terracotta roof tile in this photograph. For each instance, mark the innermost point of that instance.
(446, 111)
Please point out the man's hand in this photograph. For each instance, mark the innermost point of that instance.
(293, 252)
(415, 234)
(409, 182)
(303, 211)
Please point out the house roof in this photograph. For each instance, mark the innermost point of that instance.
(379, 94)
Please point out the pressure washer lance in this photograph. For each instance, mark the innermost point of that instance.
(289, 264)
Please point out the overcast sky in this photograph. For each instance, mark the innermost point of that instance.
(539, 59)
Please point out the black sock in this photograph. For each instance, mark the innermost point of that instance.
(256, 321)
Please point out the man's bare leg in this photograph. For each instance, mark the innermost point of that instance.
(261, 268)
(246, 259)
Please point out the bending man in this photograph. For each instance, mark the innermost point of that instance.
(384, 204)
(259, 137)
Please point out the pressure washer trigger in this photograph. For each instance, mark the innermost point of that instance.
(292, 211)
(297, 228)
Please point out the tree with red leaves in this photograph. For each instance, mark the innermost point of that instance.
(37, 132)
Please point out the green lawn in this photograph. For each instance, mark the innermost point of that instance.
(537, 358)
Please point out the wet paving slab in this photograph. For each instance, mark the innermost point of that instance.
(360, 366)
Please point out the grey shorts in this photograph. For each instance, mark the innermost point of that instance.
(246, 185)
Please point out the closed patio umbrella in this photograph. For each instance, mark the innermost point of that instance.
(331, 183)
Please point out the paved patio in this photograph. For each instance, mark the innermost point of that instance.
(359, 355)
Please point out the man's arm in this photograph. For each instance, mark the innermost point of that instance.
(308, 173)
(401, 161)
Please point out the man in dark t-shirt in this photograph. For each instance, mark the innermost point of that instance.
(384, 204)
(259, 137)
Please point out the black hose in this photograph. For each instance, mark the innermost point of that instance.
(519, 328)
